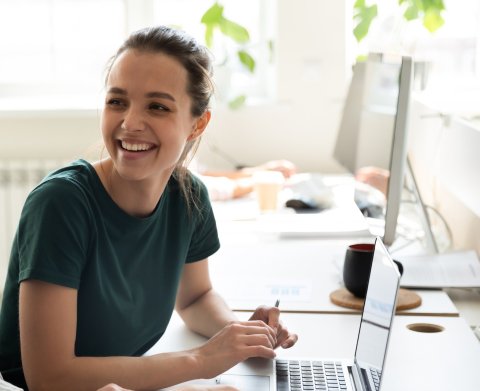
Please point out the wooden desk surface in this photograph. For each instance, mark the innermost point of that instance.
(443, 361)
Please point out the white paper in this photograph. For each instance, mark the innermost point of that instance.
(343, 221)
(460, 269)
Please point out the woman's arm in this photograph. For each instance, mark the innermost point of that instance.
(48, 317)
(201, 308)
(205, 312)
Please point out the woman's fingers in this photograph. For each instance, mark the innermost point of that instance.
(259, 327)
(258, 340)
(289, 341)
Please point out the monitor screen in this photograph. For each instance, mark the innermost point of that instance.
(372, 138)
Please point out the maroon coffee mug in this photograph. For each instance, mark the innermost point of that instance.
(356, 268)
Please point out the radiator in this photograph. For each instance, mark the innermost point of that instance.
(17, 179)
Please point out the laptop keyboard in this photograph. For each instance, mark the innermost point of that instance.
(376, 374)
(294, 375)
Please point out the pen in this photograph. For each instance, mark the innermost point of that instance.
(277, 303)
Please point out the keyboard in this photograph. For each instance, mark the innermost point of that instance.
(376, 375)
(295, 375)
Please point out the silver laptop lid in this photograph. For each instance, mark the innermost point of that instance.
(377, 317)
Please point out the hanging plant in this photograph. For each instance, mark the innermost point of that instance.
(429, 11)
(215, 20)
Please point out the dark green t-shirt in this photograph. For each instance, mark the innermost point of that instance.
(126, 269)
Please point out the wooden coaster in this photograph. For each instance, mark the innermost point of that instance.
(406, 299)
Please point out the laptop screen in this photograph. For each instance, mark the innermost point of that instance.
(377, 317)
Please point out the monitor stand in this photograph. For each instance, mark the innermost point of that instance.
(411, 183)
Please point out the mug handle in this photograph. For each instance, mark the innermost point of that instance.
(399, 266)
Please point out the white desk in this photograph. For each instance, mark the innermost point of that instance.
(467, 301)
(442, 361)
(301, 273)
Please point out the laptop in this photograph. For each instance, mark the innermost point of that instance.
(363, 372)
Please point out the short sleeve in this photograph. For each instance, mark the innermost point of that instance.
(204, 240)
(53, 234)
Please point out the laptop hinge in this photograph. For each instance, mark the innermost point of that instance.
(356, 378)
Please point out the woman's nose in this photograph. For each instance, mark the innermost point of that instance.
(133, 120)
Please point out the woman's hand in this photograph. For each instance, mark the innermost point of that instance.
(286, 167)
(271, 316)
(235, 343)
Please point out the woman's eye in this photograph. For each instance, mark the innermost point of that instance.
(114, 102)
(158, 107)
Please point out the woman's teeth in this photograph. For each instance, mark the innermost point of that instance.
(135, 147)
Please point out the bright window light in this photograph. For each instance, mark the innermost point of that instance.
(57, 46)
(232, 78)
(54, 48)
(451, 54)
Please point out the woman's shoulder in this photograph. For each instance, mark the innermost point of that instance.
(67, 183)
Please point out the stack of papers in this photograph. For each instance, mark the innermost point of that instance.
(343, 221)
(459, 269)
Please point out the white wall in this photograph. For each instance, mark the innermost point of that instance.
(312, 77)
(446, 164)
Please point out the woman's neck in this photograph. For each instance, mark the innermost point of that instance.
(137, 198)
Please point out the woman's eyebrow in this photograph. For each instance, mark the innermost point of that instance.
(153, 94)
(117, 90)
(158, 94)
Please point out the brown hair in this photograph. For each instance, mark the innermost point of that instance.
(197, 61)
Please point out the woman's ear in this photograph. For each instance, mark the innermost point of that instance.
(200, 125)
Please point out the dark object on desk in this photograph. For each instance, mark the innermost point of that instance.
(357, 265)
(406, 299)
(370, 210)
(369, 200)
(302, 205)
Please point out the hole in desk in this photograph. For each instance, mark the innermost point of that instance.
(425, 327)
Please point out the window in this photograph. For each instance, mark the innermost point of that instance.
(451, 54)
(58, 48)
(232, 78)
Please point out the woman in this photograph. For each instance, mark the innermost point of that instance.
(104, 252)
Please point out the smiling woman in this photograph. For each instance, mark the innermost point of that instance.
(134, 103)
(104, 252)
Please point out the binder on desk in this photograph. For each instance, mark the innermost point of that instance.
(345, 221)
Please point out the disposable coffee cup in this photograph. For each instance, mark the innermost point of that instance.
(267, 186)
(356, 268)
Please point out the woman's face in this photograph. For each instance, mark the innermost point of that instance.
(146, 120)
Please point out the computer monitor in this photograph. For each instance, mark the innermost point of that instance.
(374, 126)
(398, 160)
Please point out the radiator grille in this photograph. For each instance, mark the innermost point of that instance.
(17, 179)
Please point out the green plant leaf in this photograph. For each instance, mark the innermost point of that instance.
(419, 5)
(433, 20)
(361, 58)
(209, 34)
(411, 13)
(247, 60)
(237, 102)
(436, 4)
(364, 16)
(428, 10)
(271, 50)
(213, 15)
(233, 30)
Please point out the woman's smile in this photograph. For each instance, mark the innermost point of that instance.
(131, 150)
